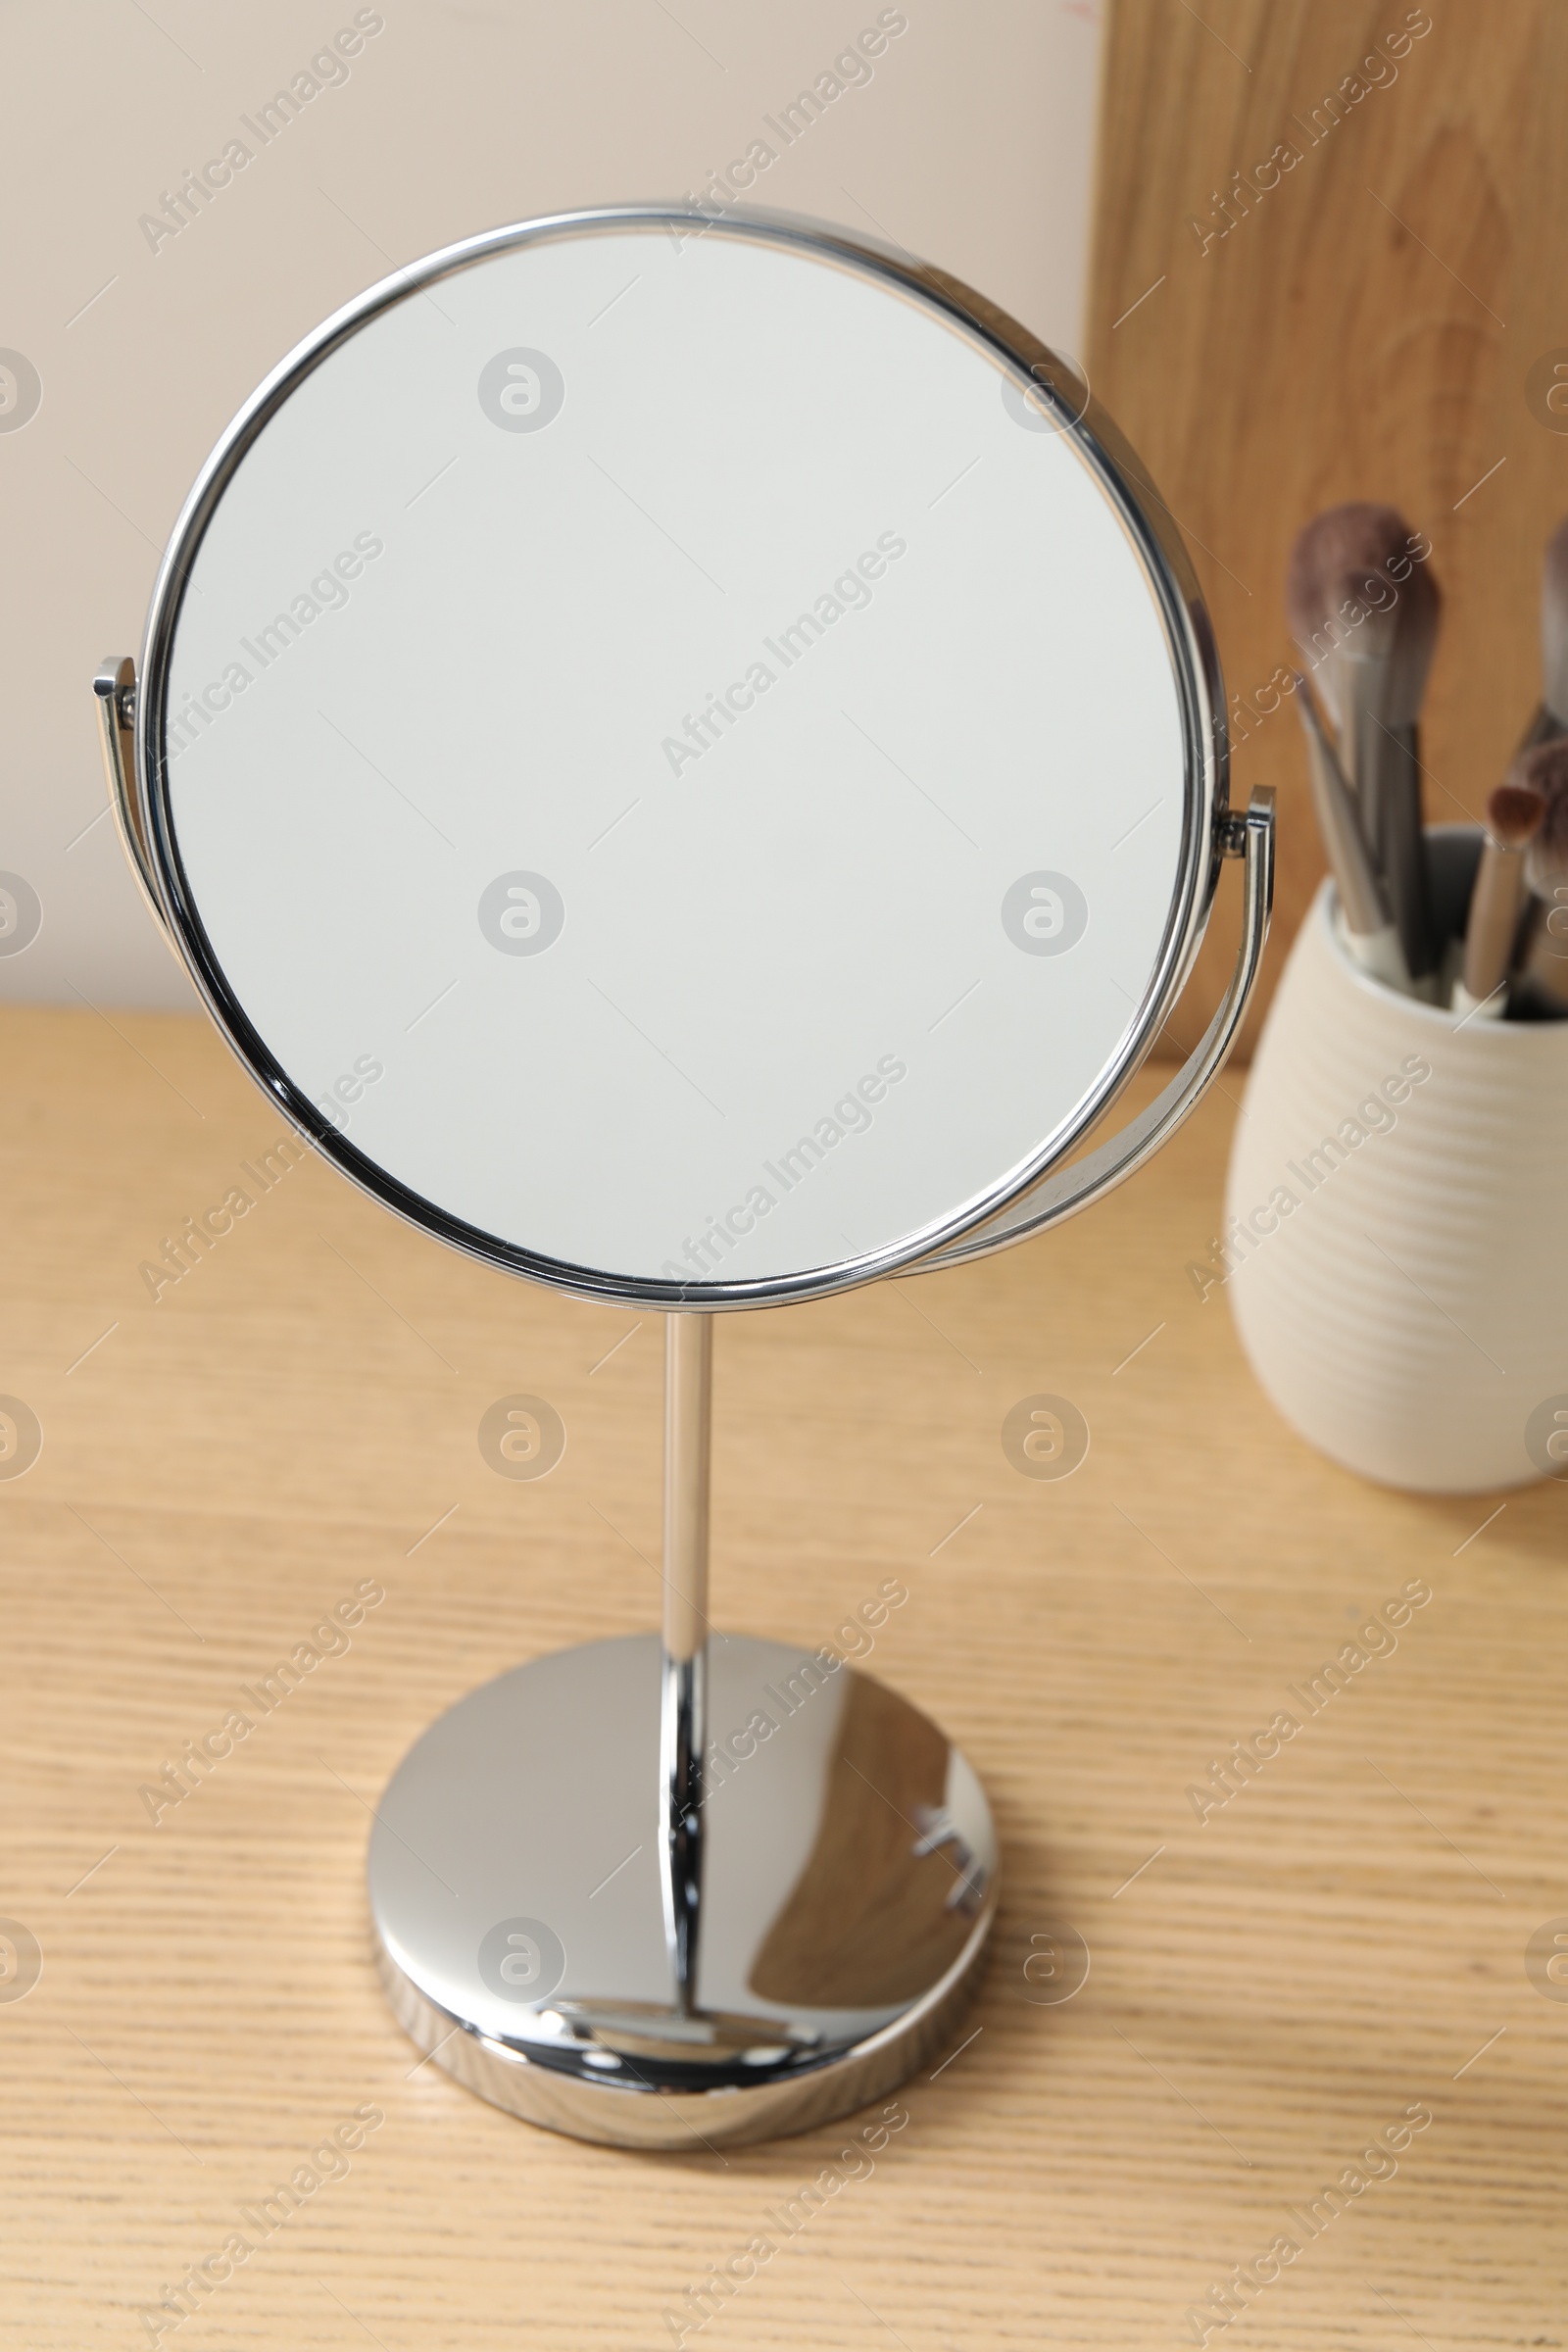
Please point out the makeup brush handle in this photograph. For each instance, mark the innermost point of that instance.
(1391, 817)
(1363, 904)
(1542, 970)
(1478, 1008)
(1495, 900)
(1378, 953)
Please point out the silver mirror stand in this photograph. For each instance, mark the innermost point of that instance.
(683, 1721)
(668, 1892)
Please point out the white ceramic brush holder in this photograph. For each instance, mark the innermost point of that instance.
(1403, 1297)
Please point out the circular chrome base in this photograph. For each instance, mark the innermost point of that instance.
(849, 1882)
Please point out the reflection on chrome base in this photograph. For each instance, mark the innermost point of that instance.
(849, 1882)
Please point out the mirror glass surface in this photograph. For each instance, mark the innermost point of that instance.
(678, 759)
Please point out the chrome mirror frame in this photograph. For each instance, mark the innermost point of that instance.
(1024, 1199)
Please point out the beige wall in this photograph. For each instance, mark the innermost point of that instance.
(971, 144)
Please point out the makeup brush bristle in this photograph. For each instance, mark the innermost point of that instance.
(1554, 625)
(1546, 771)
(1546, 862)
(1513, 814)
(1543, 768)
(1340, 568)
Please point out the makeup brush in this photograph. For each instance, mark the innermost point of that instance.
(1551, 712)
(1370, 931)
(1542, 982)
(1365, 614)
(1555, 628)
(1496, 901)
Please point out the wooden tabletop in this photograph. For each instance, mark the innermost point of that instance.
(1275, 1989)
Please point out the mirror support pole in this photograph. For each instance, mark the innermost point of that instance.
(683, 1730)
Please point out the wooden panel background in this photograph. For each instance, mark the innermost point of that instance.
(1366, 329)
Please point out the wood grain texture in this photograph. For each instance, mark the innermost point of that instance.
(1365, 328)
(1269, 1987)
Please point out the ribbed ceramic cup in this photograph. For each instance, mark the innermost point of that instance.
(1396, 1249)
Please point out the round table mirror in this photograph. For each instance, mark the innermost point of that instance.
(697, 732)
